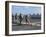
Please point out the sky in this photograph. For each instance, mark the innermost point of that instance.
(25, 9)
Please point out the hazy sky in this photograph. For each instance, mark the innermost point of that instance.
(25, 9)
